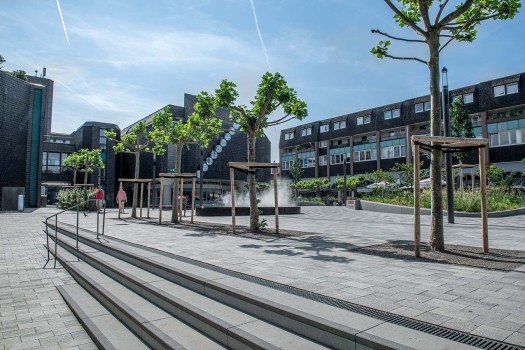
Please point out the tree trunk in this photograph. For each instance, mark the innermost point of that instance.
(74, 177)
(436, 226)
(178, 167)
(86, 174)
(135, 186)
(254, 210)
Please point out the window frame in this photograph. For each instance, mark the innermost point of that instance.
(306, 131)
(324, 128)
(288, 136)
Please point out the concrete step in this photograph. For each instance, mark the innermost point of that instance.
(224, 324)
(322, 323)
(154, 326)
(106, 331)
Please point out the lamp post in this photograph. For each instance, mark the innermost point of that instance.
(344, 179)
(445, 100)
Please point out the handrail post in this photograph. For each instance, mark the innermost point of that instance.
(47, 241)
(98, 214)
(104, 218)
(77, 224)
(56, 240)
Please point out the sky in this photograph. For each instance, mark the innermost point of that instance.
(124, 59)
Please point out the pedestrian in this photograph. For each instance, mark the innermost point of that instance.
(121, 200)
(99, 196)
(184, 204)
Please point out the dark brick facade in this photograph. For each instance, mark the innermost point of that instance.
(489, 108)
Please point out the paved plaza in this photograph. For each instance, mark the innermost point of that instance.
(33, 315)
(490, 303)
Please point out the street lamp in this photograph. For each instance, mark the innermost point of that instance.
(445, 99)
(344, 179)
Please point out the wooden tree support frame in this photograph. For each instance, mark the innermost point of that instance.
(181, 177)
(461, 167)
(249, 168)
(450, 143)
(141, 182)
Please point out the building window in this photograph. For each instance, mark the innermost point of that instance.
(423, 106)
(364, 120)
(288, 136)
(361, 156)
(394, 113)
(103, 139)
(323, 144)
(507, 137)
(468, 98)
(476, 120)
(287, 164)
(393, 152)
(306, 132)
(339, 125)
(307, 159)
(53, 163)
(322, 160)
(324, 128)
(501, 90)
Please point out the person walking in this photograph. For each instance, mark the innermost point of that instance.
(99, 196)
(121, 200)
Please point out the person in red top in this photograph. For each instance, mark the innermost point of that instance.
(99, 196)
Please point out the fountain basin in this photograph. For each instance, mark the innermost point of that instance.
(245, 211)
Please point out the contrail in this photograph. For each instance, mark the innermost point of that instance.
(62, 19)
(260, 36)
(76, 93)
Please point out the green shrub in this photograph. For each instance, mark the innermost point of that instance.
(70, 197)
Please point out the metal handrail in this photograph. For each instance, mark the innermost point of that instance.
(77, 206)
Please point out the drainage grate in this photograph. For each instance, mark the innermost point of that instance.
(429, 328)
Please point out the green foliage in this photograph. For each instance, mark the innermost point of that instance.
(91, 160)
(460, 123)
(135, 140)
(351, 182)
(74, 161)
(317, 184)
(296, 170)
(68, 198)
(497, 177)
(199, 128)
(2, 61)
(20, 74)
(498, 199)
(273, 92)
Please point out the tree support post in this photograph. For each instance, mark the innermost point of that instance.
(276, 200)
(149, 196)
(417, 226)
(192, 198)
(141, 197)
(160, 199)
(483, 193)
(181, 193)
(232, 188)
(120, 189)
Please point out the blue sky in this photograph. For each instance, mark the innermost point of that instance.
(128, 58)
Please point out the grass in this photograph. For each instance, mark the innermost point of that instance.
(498, 199)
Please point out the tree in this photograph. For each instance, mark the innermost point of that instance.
(273, 92)
(319, 184)
(457, 25)
(2, 61)
(90, 160)
(74, 162)
(134, 141)
(296, 172)
(461, 126)
(199, 128)
(20, 74)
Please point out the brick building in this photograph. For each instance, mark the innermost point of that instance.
(379, 137)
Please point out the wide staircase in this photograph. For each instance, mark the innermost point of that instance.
(133, 297)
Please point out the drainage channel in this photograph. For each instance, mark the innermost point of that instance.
(429, 328)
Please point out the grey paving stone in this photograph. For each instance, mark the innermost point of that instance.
(492, 332)
(516, 338)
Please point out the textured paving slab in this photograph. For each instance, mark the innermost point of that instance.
(32, 312)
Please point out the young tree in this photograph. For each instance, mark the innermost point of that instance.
(2, 61)
(457, 25)
(75, 162)
(134, 141)
(461, 126)
(199, 128)
(319, 184)
(91, 160)
(296, 172)
(273, 92)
